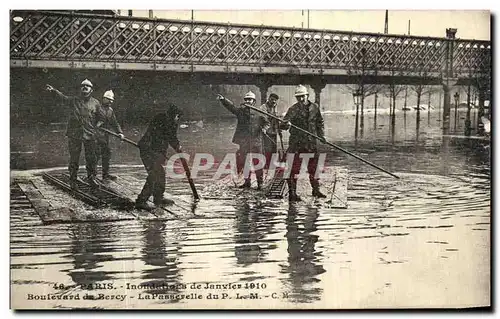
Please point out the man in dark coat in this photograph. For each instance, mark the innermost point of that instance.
(81, 129)
(248, 134)
(160, 134)
(270, 145)
(306, 115)
(108, 121)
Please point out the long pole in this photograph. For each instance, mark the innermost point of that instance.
(116, 135)
(183, 160)
(323, 141)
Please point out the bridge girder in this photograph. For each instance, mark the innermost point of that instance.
(86, 41)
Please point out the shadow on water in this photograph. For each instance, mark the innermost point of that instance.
(253, 224)
(162, 255)
(92, 244)
(304, 261)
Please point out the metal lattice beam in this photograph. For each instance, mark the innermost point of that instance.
(86, 38)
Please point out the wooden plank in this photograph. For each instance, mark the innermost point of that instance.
(180, 205)
(131, 193)
(47, 213)
(103, 194)
(59, 181)
(73, 211)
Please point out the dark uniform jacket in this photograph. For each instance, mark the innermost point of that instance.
(274, 123)
(107, 120)
(309, 118)
(83, 118)
(161, 132)
(250, 124)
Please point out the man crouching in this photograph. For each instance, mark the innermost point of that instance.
(153, 146)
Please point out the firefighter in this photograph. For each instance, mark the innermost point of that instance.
(270, 141)
(107, 121)
(81, 129)
(248, 134)
(306, 115)
(153, 146)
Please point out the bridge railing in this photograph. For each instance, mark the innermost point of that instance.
(40, 35)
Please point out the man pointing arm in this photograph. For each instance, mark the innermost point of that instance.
(81, 129)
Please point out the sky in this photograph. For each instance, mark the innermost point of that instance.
(471, 24)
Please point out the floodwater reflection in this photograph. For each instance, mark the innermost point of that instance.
(160, 253)
(304, 261)
(253, 225)
(439, 211)
(92, 244)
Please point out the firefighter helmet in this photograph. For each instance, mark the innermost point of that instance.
(109, 95)
(249, 95)
(86, 83)
(301, 90)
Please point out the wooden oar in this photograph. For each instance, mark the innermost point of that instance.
(183, 161)
(323, 141)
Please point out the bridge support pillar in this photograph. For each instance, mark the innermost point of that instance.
(467, 117)
(482, 86)
(446, 108)
(481, 94)
(448, 79)
(318, 87)
(448, 83)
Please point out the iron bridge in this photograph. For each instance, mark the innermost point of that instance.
(44, 39)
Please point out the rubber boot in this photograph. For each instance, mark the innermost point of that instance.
(259, 184)
(92, 181)
(315, 189)
(139, 204)
(292, 191)
(246, 184)
(73, 176)
(163, 202)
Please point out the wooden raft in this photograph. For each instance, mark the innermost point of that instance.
(333, 184)
(58, 203)
(87, 204)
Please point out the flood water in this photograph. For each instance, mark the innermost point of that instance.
(420, 241)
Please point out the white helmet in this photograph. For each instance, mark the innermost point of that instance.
(109, 95)
(249, 95)
(301, 90)
(86, 82)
